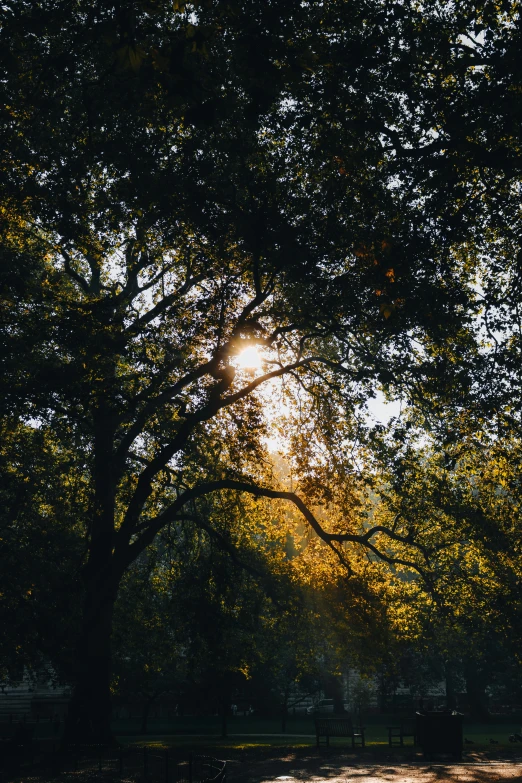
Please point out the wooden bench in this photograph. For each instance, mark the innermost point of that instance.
(338, 727)
(405, 728)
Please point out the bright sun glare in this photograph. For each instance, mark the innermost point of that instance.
(249, 359)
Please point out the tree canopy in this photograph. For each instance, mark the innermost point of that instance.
(184, 181)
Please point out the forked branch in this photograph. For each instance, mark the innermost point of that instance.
(126, 552)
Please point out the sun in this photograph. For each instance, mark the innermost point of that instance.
(249, 359)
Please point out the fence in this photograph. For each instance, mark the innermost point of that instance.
(12, 718)
(144, 764)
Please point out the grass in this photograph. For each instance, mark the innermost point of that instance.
(212, 725)
(255, 732)
(200, 744)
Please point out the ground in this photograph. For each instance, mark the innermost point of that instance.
(257, 753)
(294, 766)
(271, 764)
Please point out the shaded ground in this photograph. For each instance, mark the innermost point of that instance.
(295, 765)
(268, 764)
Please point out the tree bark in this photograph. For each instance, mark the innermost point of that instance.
(224, 726)
(384, 691)
(476, 683)
(334, 690)
(451, 696)
(145, 714)
(89, 718)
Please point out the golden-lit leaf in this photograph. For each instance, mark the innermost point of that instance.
(387, 310)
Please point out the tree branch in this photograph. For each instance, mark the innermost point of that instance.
(137, 325)
(148, 530)
(82, 282)
(215, 403)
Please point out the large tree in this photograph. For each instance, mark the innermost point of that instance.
(184, 181)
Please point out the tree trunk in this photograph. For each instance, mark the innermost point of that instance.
(145, 713)
(384, 691)
(284, 710)
(224, 728)
(451, 696)
(476, 690)
(334, 690)
(89, 717)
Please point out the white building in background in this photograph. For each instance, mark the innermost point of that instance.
(34, 697)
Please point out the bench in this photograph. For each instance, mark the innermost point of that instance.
(338, 727)
(406, 728)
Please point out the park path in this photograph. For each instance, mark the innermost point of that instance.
(312, 768)
(434, 773)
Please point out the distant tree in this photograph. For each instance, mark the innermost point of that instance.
(459, 498)
(196, 614)
(150, 641)
(43, 495)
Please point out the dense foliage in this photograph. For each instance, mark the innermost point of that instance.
(333, 183)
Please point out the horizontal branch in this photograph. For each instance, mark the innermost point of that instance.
(149, 529)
